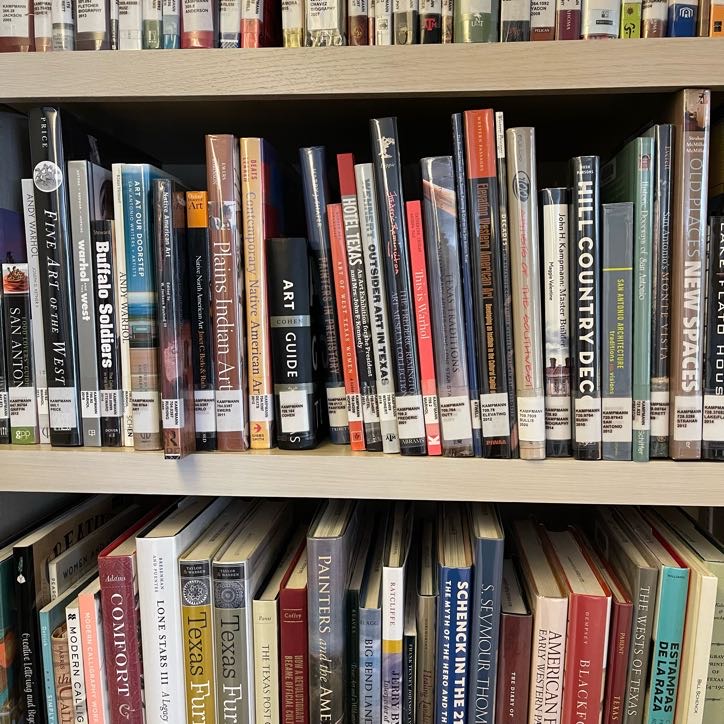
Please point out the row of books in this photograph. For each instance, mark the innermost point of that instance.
(47, 25)
(212, 610)
(128, 322)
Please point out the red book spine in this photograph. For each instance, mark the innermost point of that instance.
(121, 638)
(346, 326)
(585, 658)
(424, 327)
(618, 652)
(569, 25)
(511, 697)
(293, 660)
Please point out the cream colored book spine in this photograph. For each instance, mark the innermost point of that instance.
(266, 661)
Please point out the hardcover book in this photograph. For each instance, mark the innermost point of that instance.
(427, 592)
(601, 19)
(430, 21)
(199, 20)
(229, 24)
(515, 21)
(152, 24)
(358, 25)
(130, 24)
(293, 24)
(17, 31)
(654, 18)
(476, 21)
(568, 19)
(324, 24)
(79, 707)
(630, 19)
(93, 25)
(682, 18)
(543, 20)
(405, 22)
(10, 674)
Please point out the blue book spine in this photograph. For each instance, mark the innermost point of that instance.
(485, 630)
(370, 665)
(453, 635)
(668, 635)
(46, 632)
(682, 19)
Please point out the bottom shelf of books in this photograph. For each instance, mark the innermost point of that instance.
(213, 609)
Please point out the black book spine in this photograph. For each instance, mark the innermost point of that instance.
(4, 396)
(712, 446)
(410, 684)
(314, 180)
(56, 274)
(398, 288)
(430, 22)
(585, 249)
(289, 285)
(202, 333)
(107, 324)
(466, 273)
(661, 291)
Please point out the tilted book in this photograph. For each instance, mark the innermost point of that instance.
(94, 662)
(427, 594)
(75, 656)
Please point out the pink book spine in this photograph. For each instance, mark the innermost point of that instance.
(93, 669)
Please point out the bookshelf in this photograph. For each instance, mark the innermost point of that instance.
(164, 99)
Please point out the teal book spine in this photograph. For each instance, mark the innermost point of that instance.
(668, 636)
(49, 621)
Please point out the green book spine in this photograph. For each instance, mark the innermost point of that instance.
(631, 19)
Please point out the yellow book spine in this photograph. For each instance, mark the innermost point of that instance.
(266, 661)
(261, 397)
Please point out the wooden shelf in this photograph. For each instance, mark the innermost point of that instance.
(336, 472)
(376, 72)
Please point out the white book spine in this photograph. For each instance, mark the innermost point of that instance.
(15, 19)
(130, 28)
(383, 22)
(229, 23)
(94, 668)
(266, 655)
(542, 16)
(121, 284)
(393, 625)
(63, 25)
(43, 23)
(372, 250)
(38, 336)
(75, 656)
(601, 18)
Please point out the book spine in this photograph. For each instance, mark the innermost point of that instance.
(130, 25)
(230, 640)
(383, 22)
(51, 704)
(17, 33)
(485, 237)
(405, 19)
(266, 660)
(75, 655)
(430, 21)
(198, 639)
(222, 172)
(467, 281)
(502, 168)
(38, 334)
(689, 271)
(716, 19)
(43, 25)
(4, 394)
(18, 356)
(525, 267)
(543, 20)
(447, 17)
(292, 347)
(229, 23)
(712, 446)
(85, 302)
(426, 620)
(377, 300)
(324, 23)
(428, 378)
(199, 264)
(511, 697)
(293, 24)
(199, 24)
(601, 19)
(661, 291)
(314, 178)
(393, 597)
(443, 266)
(56, 275)
(121, 637)
(370, 670)
(256, 170)
(682, 19)
(619, 645)
(63, 25)
(515, 21)
(630, 19)
(476, 21)
(152, 14)
(654, 18)
(107, 333)
(251, 24)
(453, 634)
(94, 665)
(293, 659)
(172, 22)
(174, 323)
(62, 674)
(568, 19)
(616, 330)
(586, 272)
(409, 662)
(359, 302)
(92, 25)
(142, 307)
(556, 315)
(346, 324)
(410, 417)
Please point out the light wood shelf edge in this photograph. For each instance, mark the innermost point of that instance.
(397, 71)
(336, 472)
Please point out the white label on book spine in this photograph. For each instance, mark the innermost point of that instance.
(542, 14)
(146, 412)
(430, 409)
(198, 16)
(90, 406)
(588, 420)
(4, 406)
(531, 418)
(152, 10)
(127, 418)
(354, 407)
(294, 411)
(659, 414)
(383, 22)
(337, 406)
(386, 407)
(22, 407)
(205, 410)
(475, 418)
(230, 410)
(111, 403)
(229, 23)
(655, 10)
(63, 25)
(91, 16)
(292, 14)
(42, 395)
(62, 408)
(129, 25)
(251, 9)
(14, 19)
(172, 413)
(455, 417)
(494, 414)
(410, 422)
(370, 411)
(261, 407)
(616, 419)
(713, 425)
(687, 418)
(43, 21)
(357, 8)
(558, 418)
(641, 415)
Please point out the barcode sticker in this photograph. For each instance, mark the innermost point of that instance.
(386, 407)
(687, 418)
(261, 408)
(410, 421)
(641, 415)
(713, 424)
(62, 407)
(455, 417)
(494, 414)
(354, 407)
(111, 403)
(90, 404)
(616, 419)
(531, 419)
(205, 410)
(22, 407)
(230, 411)
(588, 420)
(475, 414)
(294, 410)
(146, 412)
(659, 413)
(558, 418)
(337, 407)
(172, 413)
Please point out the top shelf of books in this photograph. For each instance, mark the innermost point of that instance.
(371, 72)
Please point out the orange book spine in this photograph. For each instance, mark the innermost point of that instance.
(346, 327)
(716, 19)
(424, 327)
